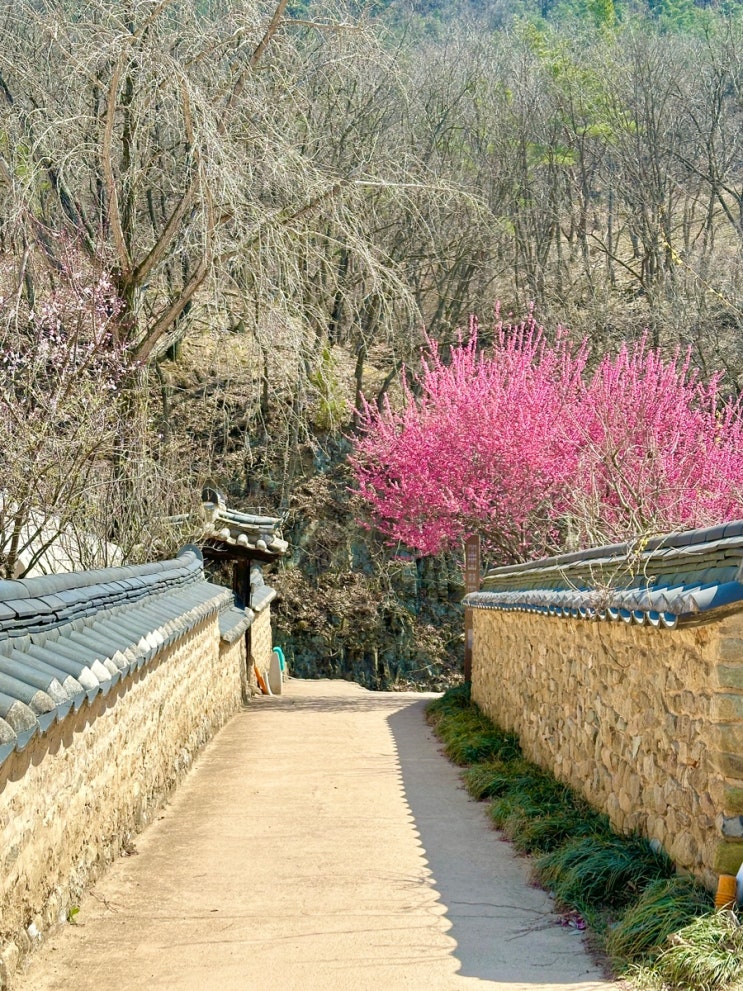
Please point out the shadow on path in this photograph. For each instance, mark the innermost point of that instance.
(321, 843)
(505, 930)
(368, 702)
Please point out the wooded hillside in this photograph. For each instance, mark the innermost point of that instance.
(223, 221)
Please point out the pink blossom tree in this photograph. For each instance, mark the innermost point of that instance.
(523, 445)
(660, 449)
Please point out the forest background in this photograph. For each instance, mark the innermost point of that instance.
(222, 223)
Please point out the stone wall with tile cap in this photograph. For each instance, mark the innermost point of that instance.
(118, 679)
(76, 797)
(261, 643)
(646, 722)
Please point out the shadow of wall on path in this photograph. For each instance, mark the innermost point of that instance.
(505, 929)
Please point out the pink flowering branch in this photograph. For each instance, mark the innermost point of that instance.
(522, 445)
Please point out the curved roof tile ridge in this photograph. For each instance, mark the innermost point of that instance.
(229, 532)
(659, 580)
(30, 605)
(233, 622)
(66, 638)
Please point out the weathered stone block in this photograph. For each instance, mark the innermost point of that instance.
(684, 848)
(731, 675)
(732, 826)
(728, 737)
(707, 806)
(9, 959)
(728, 856)
(728, 708)
(729, 764)
(732, 799)
(730, 649)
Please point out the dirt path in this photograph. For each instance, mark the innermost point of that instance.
(321, 843)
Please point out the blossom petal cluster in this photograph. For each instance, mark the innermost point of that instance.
(526, 445)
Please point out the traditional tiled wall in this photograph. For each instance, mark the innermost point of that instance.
(646, 723)
(75, 798)
(261, 645)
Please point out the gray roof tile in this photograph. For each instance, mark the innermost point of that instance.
(16, 713)
(230, 531)
(7, 734)
(6, 613)
(13, 590)
(666, 579)
(262, 597)
(233, 623)
(67, 638)
(35, 698)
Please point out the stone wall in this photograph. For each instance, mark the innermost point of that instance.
(646, 723)
(77, 795)
(261, 644)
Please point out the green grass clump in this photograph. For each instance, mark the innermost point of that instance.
(468, 736)
(472, 746)
(663, 908)
(529, 794)
(451, 702)
(493, 778)
(598, 871)
(543, 833)
(539, 814)
(706, 955)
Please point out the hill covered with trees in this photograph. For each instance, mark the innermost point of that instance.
(223, 222)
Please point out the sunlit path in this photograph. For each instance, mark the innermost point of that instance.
(320, 843)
